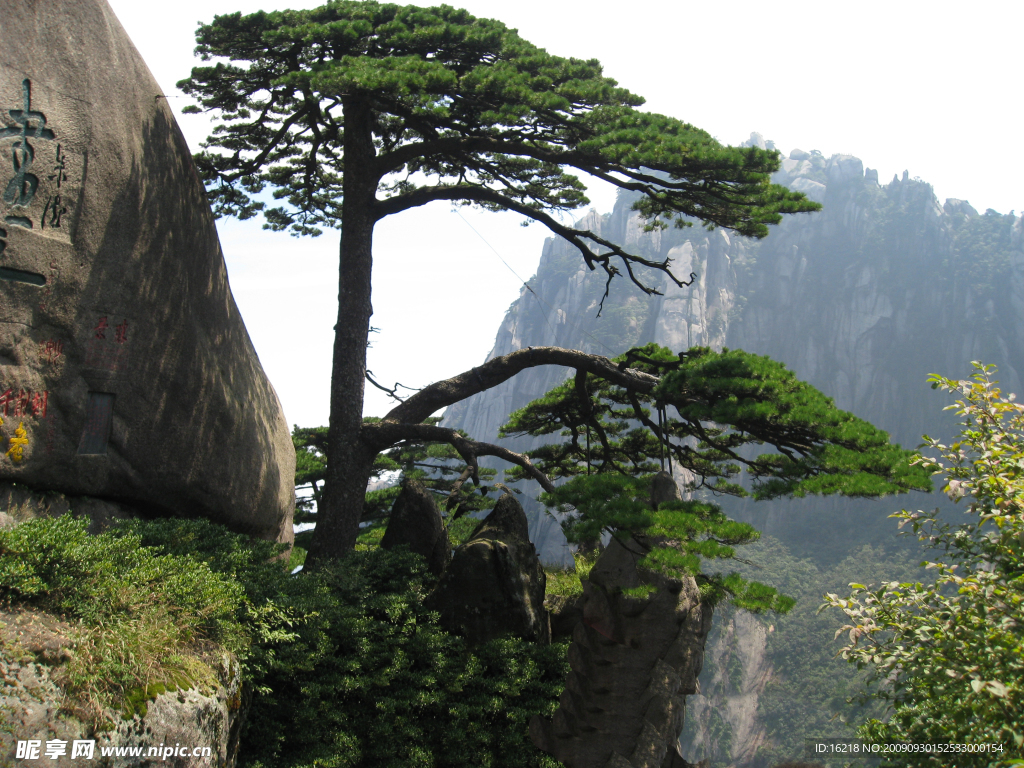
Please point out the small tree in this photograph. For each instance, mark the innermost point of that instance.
(707, 415)
(949, 656)
(310, 470)
(355, 111)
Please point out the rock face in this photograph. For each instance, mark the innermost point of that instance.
(125, 370)
(726, 709)
(33, 648)
(494, 585)
(20, 504)
(416, 522)
(634, 661)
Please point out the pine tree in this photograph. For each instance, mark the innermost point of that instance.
(707, 417)
(355, 111)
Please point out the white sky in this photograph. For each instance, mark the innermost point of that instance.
(931, 87)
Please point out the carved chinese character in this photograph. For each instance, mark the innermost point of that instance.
(51, 350)
(21, 189)
(101, 328)
(18, 444)
(23, 405)
(39, 404)
(54, 209)
(60, 164)
(121, 331)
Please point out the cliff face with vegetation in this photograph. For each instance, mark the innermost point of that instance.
(863, 300)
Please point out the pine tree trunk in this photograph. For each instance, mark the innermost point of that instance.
(350, 459)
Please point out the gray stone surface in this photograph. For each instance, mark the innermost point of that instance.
(34, 646)
(126, 373)
(634, 661)
(21, 503)
(664, 489)
(416, 522)
(564, 612)
(813, 189)
(495, 583)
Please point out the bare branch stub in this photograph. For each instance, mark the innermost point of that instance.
(393, 392)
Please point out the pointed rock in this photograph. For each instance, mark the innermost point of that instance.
(495, 583)
(634, 661)
(664, 489)
(416, 522)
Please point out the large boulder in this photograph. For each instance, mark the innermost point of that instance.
(125, 370)
(416, 522)
(495, 583)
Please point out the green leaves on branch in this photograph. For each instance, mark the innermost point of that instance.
(734, 399)
(708, 417)
(679, 538)
(720, 408)
(949, 656)
(422, 104)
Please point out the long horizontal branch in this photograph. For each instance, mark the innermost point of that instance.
(576, 237)
(441, 394)
(389, 433)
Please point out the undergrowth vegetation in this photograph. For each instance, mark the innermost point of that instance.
(567, 582)
(344, 666)
(140, 618)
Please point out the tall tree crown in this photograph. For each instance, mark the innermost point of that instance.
(434, 104)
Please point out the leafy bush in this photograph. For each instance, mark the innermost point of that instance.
(140, 617)
(368, 678)
(949, 656)
(346, 666)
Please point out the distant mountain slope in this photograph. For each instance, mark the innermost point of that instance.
(863, 300)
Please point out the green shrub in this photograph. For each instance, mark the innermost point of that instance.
(369, 679)
(139, 617)
(346, 666)
(947, 657)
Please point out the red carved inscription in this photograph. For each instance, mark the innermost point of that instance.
(23, 403)
(51, 350)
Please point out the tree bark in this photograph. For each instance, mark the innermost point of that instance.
(349, 459)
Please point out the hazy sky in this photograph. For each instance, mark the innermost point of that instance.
(932, 88)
